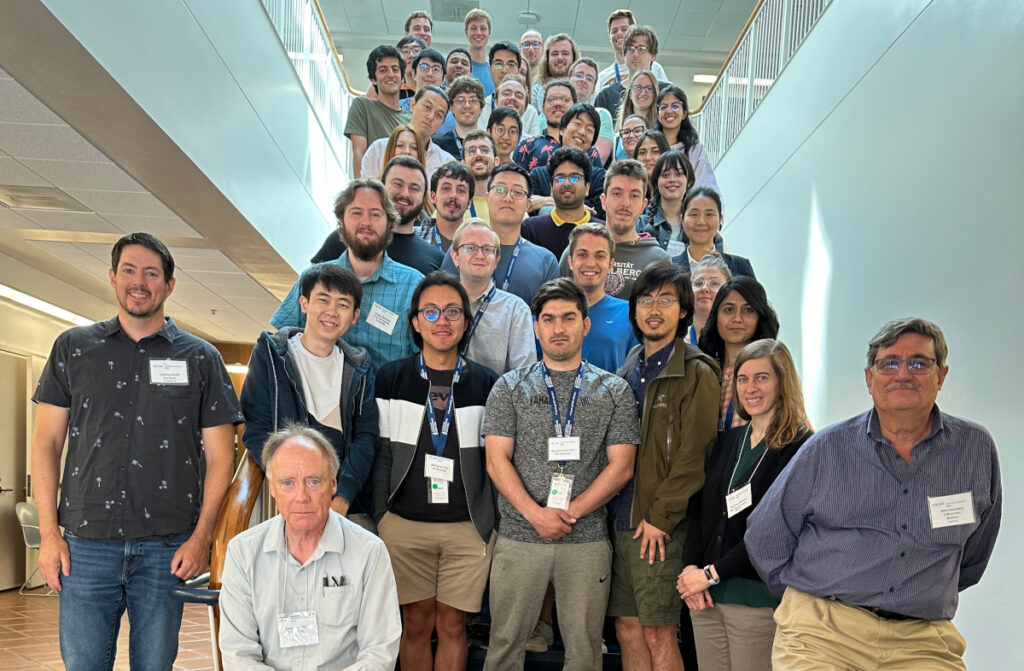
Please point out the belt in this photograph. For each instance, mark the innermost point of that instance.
(878, 612)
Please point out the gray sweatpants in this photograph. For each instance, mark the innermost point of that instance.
(520, 573)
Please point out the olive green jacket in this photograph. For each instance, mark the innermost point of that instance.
(679, 427)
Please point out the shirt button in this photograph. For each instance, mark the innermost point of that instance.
(906, 491)
(903, 526)
(903, 554)
(891, 590)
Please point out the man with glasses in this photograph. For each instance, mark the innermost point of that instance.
(530, 45)
(370, 119)
(577, 129)
(505, 127)
(560, 53)
(570, 170)
(523, 266)
(480, 156)
(583, 76)
(559, 96)
(410, 46)
(512, 92)
(880, 521)
(432, 495)
(466, 101)
(640, 47)
(619, 23)
(427, 68)
(504, 60)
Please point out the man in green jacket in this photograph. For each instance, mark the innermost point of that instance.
(677, 391)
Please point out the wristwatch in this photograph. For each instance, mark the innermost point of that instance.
(709, 576)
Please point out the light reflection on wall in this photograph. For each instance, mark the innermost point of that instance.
(326, 174)
(814, 317)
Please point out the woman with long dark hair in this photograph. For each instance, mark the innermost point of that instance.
(671, 179)
(700, 235)
(651, 146)
(674, 121)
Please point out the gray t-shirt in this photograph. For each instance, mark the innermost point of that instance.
(518, 408)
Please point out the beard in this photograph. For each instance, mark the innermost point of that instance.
(365, 251)
(411, 215)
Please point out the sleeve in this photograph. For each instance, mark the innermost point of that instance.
(521, 349)
(703, 175)
(773, 529)
(448, 266)
(357, 465)
(551, 270)
(379, 629)
(744, 267)
(563, 264)
(593, 198)
(382, 462)
(623, 426)
(607, 127)
(659, 72)
(370, 165)
(698, 422)
(979, 545)
(531, 124)
(289, 313)
(693, 546)
(538, 186)
(54, 386)
(357, 122)
(257, 401)
(499, 413)
(521, 155)
(220, 402)
(239, 636)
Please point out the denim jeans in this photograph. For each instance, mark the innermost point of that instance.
(107, 577)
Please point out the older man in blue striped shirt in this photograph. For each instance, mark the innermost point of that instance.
(880, 521)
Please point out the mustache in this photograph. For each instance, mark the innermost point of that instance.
(903, 384)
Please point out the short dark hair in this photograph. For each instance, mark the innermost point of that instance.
(652, 278)
(465, 84)
(404, 161)
(379, 53)
(504, 45)
(418, 14)
(705, 191)
(572, 155)
(499, 114)
(454, 170)
(509, 166)
(431, 55)
(439, 278)
(458, 50)
(559, 289)
(559, 82)
(432, 89)
(626, 167)
(767, 320)
(479, 135)
(150, 242)
(582, 109)
(411, 39)
(892, 330)
(332, 277)
(658, 137)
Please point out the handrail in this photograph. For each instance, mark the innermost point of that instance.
(334, 49)
(772, 34)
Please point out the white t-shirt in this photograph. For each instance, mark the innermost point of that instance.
(321, 381)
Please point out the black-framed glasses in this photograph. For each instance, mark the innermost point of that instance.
(665, 107)
(917, 365)
(662, 301)
(452, 314)
(431, 67)
(637, 48)
(574, 178)
(641, 88)
(470, 249)
(632, 132)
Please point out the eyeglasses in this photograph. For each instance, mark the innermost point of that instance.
(662, 301)
(431, 67)
(640, 88)
(452, 314)
(637, 49)
(700, 284)
(501, 131)
(632, 132)
(530, 45)
(580, 77)
(410, 51)
(502, 65)
(558, 101)
(917, 365)
(573, 178)
(466, 100)
(471, 250)
(483, 149)
(665, 107)
(517, 194)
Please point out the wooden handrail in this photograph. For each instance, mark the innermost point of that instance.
(337, 57)
(728, 59)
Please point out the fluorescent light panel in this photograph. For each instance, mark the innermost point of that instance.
(43, 306)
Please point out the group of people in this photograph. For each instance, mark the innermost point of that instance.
(473, 419)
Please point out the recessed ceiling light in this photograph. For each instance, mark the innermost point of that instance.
(43, 306)
(39, 198)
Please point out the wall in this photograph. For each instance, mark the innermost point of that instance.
(880, 178)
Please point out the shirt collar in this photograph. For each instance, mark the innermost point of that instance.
(874, 427)
(559, 221)
(331, 540)
(169, 331)
(660, 357)
(385, 271)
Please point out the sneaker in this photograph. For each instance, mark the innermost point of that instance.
(542, 638)
(477, 635)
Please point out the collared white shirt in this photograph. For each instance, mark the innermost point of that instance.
(373, 159)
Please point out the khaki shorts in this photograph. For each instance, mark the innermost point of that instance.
(641, 590)
(443, 560)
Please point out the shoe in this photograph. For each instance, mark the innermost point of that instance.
(542, 638)
(477, 635)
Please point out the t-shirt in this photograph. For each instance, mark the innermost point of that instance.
(518, 407)
(482, 73)
(611, 335)
(534, 267)
(405, 248)
(630, 259)
(373, 119)
(321, 381)
(552, 232)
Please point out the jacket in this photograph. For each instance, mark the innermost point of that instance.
(401, 392)
(678, 430)
(715, 538)
(272, 397)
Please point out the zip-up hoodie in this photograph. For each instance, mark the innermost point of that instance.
(401, 394)
(272, 397)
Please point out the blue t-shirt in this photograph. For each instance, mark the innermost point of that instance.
(534, 267)
(611, 335)
(482, 72)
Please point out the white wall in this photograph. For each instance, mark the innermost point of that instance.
(881, 177)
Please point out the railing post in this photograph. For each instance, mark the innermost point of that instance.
(748, 104)
(784, 36)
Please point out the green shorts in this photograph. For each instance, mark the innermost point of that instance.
(641, 590)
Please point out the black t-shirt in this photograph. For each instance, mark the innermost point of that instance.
(412, 500)
(405, 248)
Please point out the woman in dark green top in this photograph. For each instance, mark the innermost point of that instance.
(730, 607)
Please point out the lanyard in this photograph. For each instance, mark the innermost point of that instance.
(458, 143)
(618, 77)
(693, 336)
(570, 413)
(435, 237)
(746, 438)
(728, 415)
(472, 208)
(480, 315)
(439, 438)
(512, 263)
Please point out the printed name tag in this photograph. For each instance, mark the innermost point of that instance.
(297, 629)
(675, 248)
(951, 511)
(438, 490)
(560, 492)
(382, 318)
(739, 500)
(440, 468)
(168, 371)
(564, 449)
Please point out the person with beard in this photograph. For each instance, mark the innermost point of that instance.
(530, 45)
(451, 190)
(625, 186)
(513, 92)
(560, 53)
(481, 155)
(466, 99)
(406, 183)
(145, 401)
(571, 172)
(429, 107)
(579, 128)
(366, 217)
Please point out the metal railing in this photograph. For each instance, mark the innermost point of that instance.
(774, 32)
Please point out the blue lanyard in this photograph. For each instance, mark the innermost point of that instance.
(472, 208)
(728, 416)
(570, 414)
(693, 336)
(618, 77)
(458, 143)
(479, 315)
(512, 263)
(435, 237)
(439, 438)
(493, 97)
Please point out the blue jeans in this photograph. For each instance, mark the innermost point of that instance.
(107, 577)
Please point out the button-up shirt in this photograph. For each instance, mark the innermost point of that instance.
(391, 287)
(503, 340)
(136, 415)
(849, 518)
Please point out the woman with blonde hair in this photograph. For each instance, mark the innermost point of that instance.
(639, 99)
(730, 607)
(403, 141)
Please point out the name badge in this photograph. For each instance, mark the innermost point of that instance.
(566, 448)
(438, 490)
(439, 468)
(382, 318)
(297, 629)
(952, 510)
(560, 492)
(739, 500)
(675, 248)
(168, 371)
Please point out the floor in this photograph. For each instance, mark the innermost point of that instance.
(28, 635)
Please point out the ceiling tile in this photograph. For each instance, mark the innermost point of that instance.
(23, 140)
(11, 219)
(363, 9)
(692, 24)
(231, 285)
(84, 175)
(68, 254)
(20, 106)
(189, 259)
(121, 202)
(69, 221)
(372, 25)
(161, 227)
(12, 172)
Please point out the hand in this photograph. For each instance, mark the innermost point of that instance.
(537, 202)
(54, 560)
(339, 504)
(191, 559)
(591, 210)
(692, 581)
(654, 539)
(699, 601)
(552, 523)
